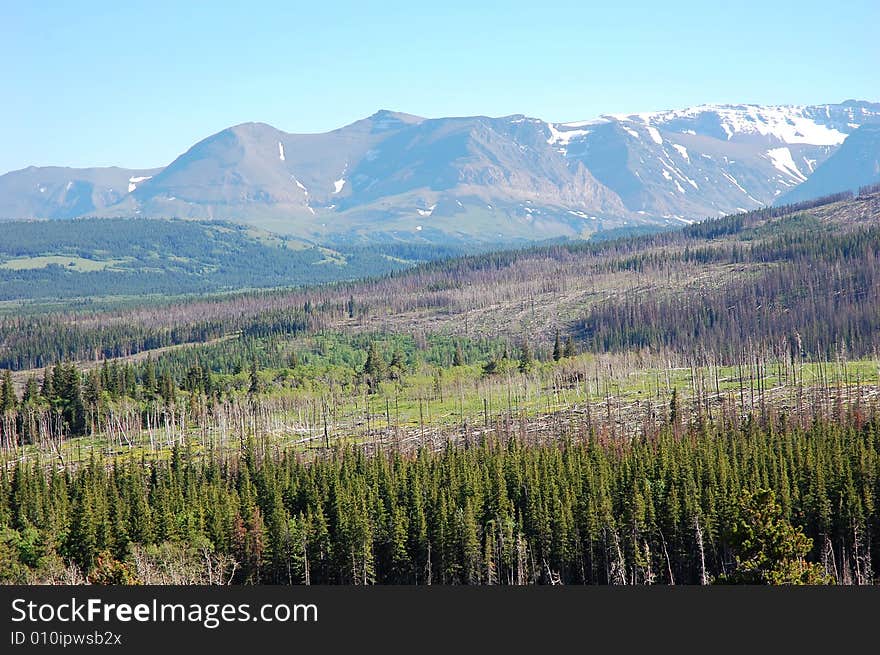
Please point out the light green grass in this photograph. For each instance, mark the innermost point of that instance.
(71, 262)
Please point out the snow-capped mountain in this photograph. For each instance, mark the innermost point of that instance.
(395, 175)
(710, 159)
(854, 164)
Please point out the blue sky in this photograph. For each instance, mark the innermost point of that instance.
(136, 83)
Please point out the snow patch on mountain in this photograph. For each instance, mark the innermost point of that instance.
(592, 121)
(782, 161)
(338, 184)
(732, 179)
(564, 136)
(655, 135)
(132, 182)
(280, 151)
(682, 151)
(788, 124)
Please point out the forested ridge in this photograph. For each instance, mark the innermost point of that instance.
(127, 257)
(761, 276)
(687, 407)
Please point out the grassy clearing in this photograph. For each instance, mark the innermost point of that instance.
(71, 262)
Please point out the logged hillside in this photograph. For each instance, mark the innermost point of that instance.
(800, 278)
(576, 413)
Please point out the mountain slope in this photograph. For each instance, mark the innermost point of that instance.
(395, 176)
(473, 175)
(856, 163)
(58, 192)
(710, 159)
(253, 169)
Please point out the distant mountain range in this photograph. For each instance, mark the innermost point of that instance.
(398, 176)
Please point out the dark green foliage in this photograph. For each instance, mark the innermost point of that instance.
(173, 257)
(8, 401)
(375, 368)
(526, 358)
(661, 508)
(767, 548)
(458, 356)
(254, 384)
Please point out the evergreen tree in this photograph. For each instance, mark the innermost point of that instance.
(8, 401)
(767, 548)
(674, 411)
(151, 383)
(31, 395)
(458, 356)
(397, 366)
(47, 389)
(526, 358)
(167, 388)
(254, 384)
(375, 368)
(557, 348)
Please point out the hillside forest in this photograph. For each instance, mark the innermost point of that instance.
(693, 406)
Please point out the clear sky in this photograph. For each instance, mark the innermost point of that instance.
(136, 83)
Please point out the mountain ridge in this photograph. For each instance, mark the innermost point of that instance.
(398, 176)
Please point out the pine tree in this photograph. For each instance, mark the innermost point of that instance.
(397, 367)
(557, 348)
(47, 389)
(375, 368)
(254, 384)
(8, 401)
(673, 408)
(767, 548)
(167, 388)
(150, 384)
(570, 350)
(526, 359)
(31, 395)
(458, 356)
(92, 395)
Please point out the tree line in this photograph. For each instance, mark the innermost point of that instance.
(750, 501)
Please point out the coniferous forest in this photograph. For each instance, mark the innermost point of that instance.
(696, 406)
(569, 508)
